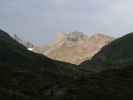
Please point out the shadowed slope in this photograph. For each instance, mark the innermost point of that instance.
(118, 53)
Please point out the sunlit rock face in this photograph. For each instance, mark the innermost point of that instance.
(73, 47)
(76, 47)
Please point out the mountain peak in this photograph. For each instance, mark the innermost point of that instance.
(75, 47)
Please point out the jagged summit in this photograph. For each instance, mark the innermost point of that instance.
(70, 37)
(75, 36)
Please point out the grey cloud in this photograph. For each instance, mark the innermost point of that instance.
(43, 18)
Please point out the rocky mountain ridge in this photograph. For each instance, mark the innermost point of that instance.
(76, 47)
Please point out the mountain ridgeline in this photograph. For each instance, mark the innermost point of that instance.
(25, 75)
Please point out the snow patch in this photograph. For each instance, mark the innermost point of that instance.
(30, 49)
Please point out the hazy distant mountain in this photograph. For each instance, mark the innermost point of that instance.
(76, 47)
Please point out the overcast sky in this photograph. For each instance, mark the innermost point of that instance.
(40, 20)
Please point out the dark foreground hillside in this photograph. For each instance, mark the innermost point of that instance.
(115, 84)
(118, 53)
(25, 75)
